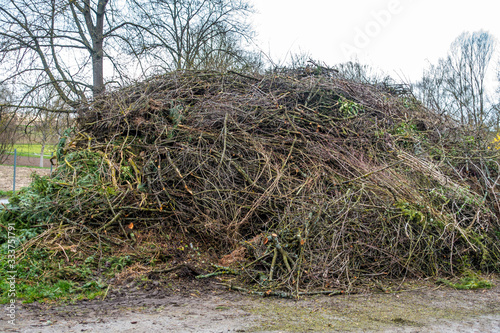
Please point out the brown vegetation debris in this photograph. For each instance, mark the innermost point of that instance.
(340, 178)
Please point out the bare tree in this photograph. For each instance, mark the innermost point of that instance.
(44, 126)
(354, 70)
(8, 124)
(57, 43)
(432, 90)
(226, 53)
(456, 86)
(77, 46)
(468, 62)
(496, 103)
(191, 34)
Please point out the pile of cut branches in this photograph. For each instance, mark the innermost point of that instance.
(301, 182)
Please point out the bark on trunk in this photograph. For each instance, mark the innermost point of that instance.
(41, 155)
(98, 69)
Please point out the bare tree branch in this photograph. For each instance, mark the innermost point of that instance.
(79, 47)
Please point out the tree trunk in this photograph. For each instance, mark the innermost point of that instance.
(41, 155)
(96, 32)
(98, 68)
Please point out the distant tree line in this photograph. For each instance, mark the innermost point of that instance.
(457, 85)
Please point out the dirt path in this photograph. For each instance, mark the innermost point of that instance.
(156, 310)
(26, 161)
(22, 176)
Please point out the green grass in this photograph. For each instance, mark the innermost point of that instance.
(27, 166)
(33, 150)
(46, 276)
(60, 291)
(5, 194)
(469, 282)
(50, 272)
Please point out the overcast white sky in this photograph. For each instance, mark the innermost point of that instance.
(397, 36)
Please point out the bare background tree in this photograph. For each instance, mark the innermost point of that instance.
(78, 47)
(56, 54)
(43, 125)
(457, 84)
(432, 90)
(191, 34)
(354, 70)
(496, 104)
(8, 124)
(56, 43)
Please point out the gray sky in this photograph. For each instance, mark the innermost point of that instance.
(397, 36)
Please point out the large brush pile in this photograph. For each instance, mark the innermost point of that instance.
(311, 181)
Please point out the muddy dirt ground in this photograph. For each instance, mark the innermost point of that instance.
(192, 307)
(23, 172)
